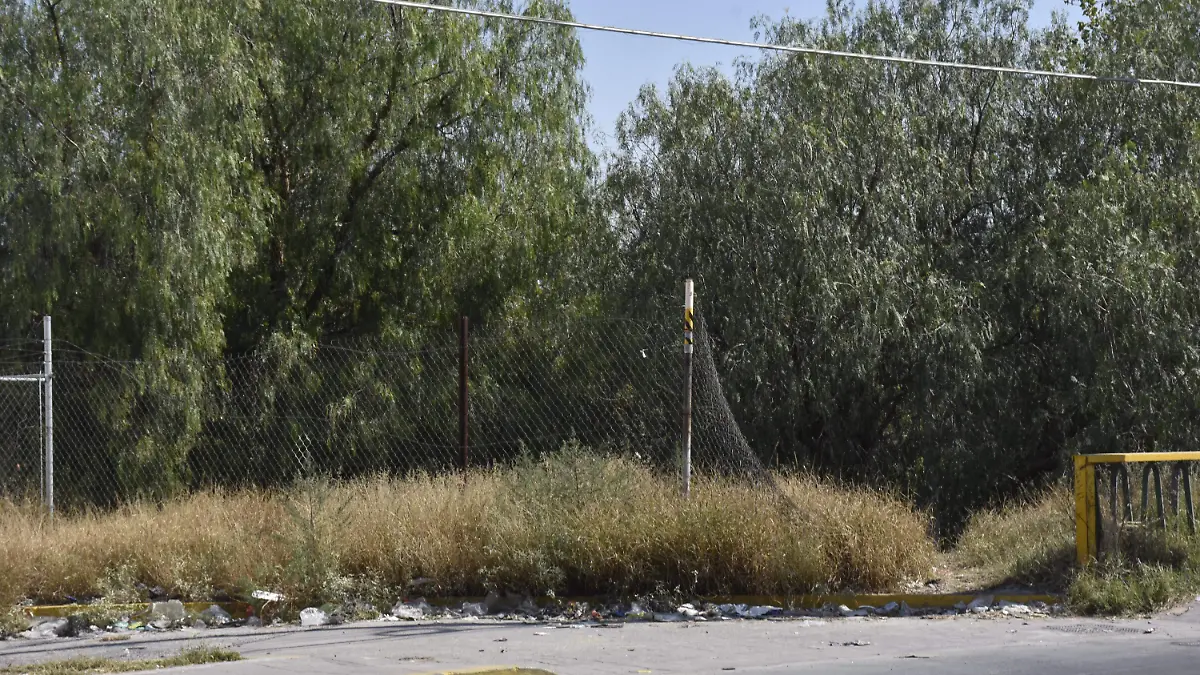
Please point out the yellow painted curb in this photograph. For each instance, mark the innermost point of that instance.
(856, 600)
(240, 610)
(918, 600)
(237, 610)
(483, 670)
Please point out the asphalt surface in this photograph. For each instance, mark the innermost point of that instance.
(1164, 645)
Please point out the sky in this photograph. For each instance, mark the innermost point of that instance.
(618, 65)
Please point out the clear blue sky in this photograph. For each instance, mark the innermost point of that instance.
(618, 65)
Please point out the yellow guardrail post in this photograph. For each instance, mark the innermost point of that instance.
(1085, 510)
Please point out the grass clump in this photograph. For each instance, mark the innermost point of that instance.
(572, 524)
(89, 664)
(1030, 543)
(1033, 544)
(12, 622)
(1151, 569)
(1128, 589)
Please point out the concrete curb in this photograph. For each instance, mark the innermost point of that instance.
(241, 610)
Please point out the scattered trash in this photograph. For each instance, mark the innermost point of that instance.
(254, 622)
(852, 643)
(1014, 608)
(215, 616)
(172, 611)
(1148, 631)
(668, 618)
(913, 656)
(474, 609)
(411, 611)
(199, 624)
(760, 611)
(268, 596)
(311, 616)
(688, 611)
(52, 628)
(845, 611)
(538, 633)
(500, 640)
(983, 602)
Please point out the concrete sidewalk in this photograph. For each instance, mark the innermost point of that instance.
(1167, 644)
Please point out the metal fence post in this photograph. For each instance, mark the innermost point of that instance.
(48, 393)
(463, 400)
(688, 339)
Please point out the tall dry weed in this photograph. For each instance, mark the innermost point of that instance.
(573, 524)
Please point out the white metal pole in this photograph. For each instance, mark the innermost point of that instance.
(42, 431)
(688, 339)
(48, 383)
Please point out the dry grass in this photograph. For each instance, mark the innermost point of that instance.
(87, 665)
(575, 525)
(1027, 543)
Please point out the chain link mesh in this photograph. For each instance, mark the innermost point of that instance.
(126, 430)
(20, 420)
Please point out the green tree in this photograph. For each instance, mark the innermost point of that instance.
(184, 183)
(941, 279)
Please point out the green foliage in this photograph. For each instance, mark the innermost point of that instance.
(1142, 589)
(945, 280)
(316, 514)
(940, 280)
(1152, 570)
(187, 183)
(12, 622)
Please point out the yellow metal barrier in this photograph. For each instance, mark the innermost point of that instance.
(1087, 506)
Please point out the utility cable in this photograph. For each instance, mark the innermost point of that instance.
(812, 51)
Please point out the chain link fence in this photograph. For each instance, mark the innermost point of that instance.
(127, 430)
(21, 420)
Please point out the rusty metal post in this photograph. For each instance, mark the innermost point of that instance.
(1187, 494)
(463, 399)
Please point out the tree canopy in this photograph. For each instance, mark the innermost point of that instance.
(941, 280)
(950, 280)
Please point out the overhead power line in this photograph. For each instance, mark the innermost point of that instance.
(791, 49)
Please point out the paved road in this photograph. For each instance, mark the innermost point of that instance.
(935, 646)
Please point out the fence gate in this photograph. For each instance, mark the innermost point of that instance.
(26, 423)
